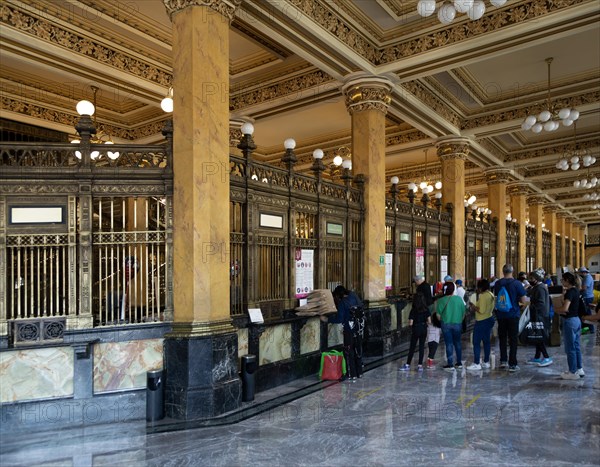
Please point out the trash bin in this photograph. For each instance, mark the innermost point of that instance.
(249, 367)
(154, 395)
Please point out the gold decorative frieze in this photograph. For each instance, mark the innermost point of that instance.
(432, 101)
(293, 86)
(497, 175)
(38, 27)
(582, 144)
(406, 137)
(225, 7)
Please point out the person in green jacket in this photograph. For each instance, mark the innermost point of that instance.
(451, 310)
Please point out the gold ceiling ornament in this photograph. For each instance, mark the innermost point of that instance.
(551, 116)
(87, 108)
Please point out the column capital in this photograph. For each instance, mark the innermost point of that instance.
(367, 92)
(452, 147)
(563, 215)
(536, 199)
(519, 188)
(225, 7)
(551, 208)
(496, 175)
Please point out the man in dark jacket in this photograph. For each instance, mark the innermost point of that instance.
(425, 289)
(350, 315)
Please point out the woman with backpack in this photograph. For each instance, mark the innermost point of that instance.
(418, 319)
(484, 322)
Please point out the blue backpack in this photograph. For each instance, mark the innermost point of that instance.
(503, 303)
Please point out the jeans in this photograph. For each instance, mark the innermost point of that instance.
(452, 334)
(482, 332)
(508, 328)
(571, 333)
(353, 354)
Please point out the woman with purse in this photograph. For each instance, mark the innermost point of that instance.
(451, 309)
(484, 322)
(539, 311)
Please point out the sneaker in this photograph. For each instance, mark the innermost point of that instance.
(503, 365)
(534, 361)
(580, 372)
(430, 364)
(485, 365)
(458, 366)
(513, 368)
(474, 367)
(569, 375)
(448, 367)
(405, 367)
(420, 368)
(546, 362)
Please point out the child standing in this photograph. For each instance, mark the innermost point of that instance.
(433, 339)
(418, 319)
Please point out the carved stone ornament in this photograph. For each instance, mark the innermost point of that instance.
(367, 93)
(452, 148)
(519, 189)
(534, 200)
(497, 175)
(550, 208)
(225, 7)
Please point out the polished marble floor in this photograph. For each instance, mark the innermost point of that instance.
(387, 418)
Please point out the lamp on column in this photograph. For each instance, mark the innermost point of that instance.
(167, 103)
(394, 188)
(86, 110)
(347, 167)
(318, 166)
(412, 189)
(246, 144)
(438, 200)
(289, 158)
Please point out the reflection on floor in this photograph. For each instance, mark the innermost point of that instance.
(387, 418)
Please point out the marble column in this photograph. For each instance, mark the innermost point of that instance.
(560, 228)
(367, 99)
(518, 209)
(453, 152)
(569, 240)
(201, 351)
(536, 217)
(497, 178)
(551, 225)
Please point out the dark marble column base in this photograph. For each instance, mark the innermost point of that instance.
(378, 336)
(201, 378)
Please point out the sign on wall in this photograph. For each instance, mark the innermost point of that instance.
(420, 262)
(388, 271)
(304, 272)
(443, 267)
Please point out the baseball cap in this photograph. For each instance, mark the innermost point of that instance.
(448, 279)
(458, 282)
(583, 269)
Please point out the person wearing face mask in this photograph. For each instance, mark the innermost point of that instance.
(539, 310)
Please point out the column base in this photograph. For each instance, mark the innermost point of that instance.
(201, 376)
(379, 340)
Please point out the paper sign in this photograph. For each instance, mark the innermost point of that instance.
(256, 315)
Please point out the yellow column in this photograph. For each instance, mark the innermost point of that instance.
(569, 240)
(201, 351)
(497, 179)
(536, 217)
(518, 209)
(560, 228)
(453, 152)
(550, 218)
(367, 100)
(576, 237)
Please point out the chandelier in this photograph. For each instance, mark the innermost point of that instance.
(474, 9)
(85, 107)
(572, 159)
(426, 185)
(550, 118)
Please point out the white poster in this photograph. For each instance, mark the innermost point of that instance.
(420, 262)
(443, 267)
(388, 271)
(492, 266)
(479, 267)
(304, 272)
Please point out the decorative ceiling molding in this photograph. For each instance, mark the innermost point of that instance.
(76, 42)
(557, 150)
(405, 137)
(224, 7)
(432, 101)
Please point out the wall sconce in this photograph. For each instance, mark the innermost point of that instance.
(167, 103)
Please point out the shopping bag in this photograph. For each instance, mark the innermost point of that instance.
(534, 332)
(333, 366)
(524, 319)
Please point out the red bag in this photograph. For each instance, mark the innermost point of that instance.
(332, 366)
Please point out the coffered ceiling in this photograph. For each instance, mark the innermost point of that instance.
(288, 60)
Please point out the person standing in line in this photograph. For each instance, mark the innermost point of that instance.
(508, 321)
(425, 289)
(539, 310)
(451, 310)
(587, 291)
(484, 322)
(571, 327)
(523, 280)
(433, 340)
(418, 319)
(460, 290)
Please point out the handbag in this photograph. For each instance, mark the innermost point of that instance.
(524, 319)
(534, 332)
(333, 366)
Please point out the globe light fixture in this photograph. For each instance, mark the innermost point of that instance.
(167, 103)
(87, 109)
(550, 117)
(475, 9)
